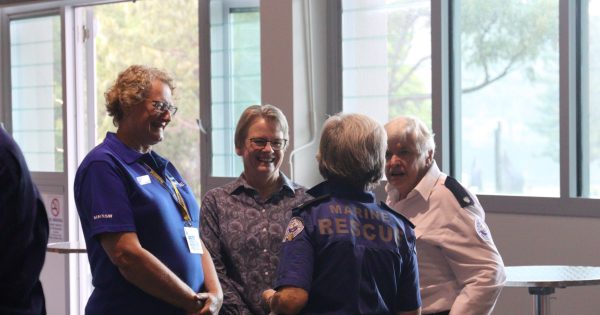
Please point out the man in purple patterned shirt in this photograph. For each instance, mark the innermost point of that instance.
(243, 222)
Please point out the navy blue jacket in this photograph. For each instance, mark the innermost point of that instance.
(351, 255)
(23, 234)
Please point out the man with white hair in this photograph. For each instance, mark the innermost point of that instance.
(460, 269)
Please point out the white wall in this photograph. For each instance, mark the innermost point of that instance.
(547, 240)
(54, 278)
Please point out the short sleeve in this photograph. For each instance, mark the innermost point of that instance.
(102, 199)
(297, 255)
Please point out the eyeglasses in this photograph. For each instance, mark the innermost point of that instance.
(261, 143)
(162, 107)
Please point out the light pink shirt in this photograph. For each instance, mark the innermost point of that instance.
(459, 265)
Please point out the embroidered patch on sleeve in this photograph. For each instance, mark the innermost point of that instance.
(293, 229)
(482, 230)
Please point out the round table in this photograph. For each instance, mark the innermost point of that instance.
(543, 280)
(66, 248)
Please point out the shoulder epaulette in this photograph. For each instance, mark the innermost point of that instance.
(459, 192)
(312, 202)
(403, 218)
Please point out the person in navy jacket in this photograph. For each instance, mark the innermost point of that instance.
(343, 253)
(23, 234)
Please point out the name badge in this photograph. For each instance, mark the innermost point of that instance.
(192, 237)
(143, 180)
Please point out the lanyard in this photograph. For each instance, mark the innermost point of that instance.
(185, 213)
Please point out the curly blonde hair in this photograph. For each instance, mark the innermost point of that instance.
(131, 87)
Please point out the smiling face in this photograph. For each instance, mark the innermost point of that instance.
(143, 125)
(405, 166)
(261, 163)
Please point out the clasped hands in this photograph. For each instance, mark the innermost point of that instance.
(205, 304)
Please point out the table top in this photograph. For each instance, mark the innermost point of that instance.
(66, 247)
(552, 276)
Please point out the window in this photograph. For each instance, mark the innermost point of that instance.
(515, 97)
(173, 49)
(36, 89)
(591, 109)
(235, 77)
(386, 58)
(508, 92)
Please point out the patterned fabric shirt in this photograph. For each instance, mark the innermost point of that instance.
(243, 233)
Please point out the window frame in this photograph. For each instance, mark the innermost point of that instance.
(570, 202)
(208, 180)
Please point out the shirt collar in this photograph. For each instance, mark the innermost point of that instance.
(128, 155)
(423, 188)
(131, 156)
(241, 185)
(342, 190)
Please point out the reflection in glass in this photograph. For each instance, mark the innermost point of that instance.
(386, 58)
(36, 89)
(509, 101)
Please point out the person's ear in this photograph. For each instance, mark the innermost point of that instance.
(239, 151)
(429, 159)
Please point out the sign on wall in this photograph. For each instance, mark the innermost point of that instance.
(55, 208)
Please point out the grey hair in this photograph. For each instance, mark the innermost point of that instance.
(352, 149)
(410, 127)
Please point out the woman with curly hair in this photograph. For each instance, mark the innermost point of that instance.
(140, 219)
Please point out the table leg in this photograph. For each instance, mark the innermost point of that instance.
(541, 305)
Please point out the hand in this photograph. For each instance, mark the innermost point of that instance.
(267, 295)
(196, 306)
(211, 303)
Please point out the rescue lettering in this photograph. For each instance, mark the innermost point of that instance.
(369, 231)
(361, 213)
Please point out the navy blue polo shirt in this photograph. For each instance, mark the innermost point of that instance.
(352, 255)
(23, 234)
(114, 192)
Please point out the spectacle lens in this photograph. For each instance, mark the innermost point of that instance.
(261, 143)
(162, 107)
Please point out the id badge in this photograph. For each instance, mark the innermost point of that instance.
(143, 180)
(192, 237)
